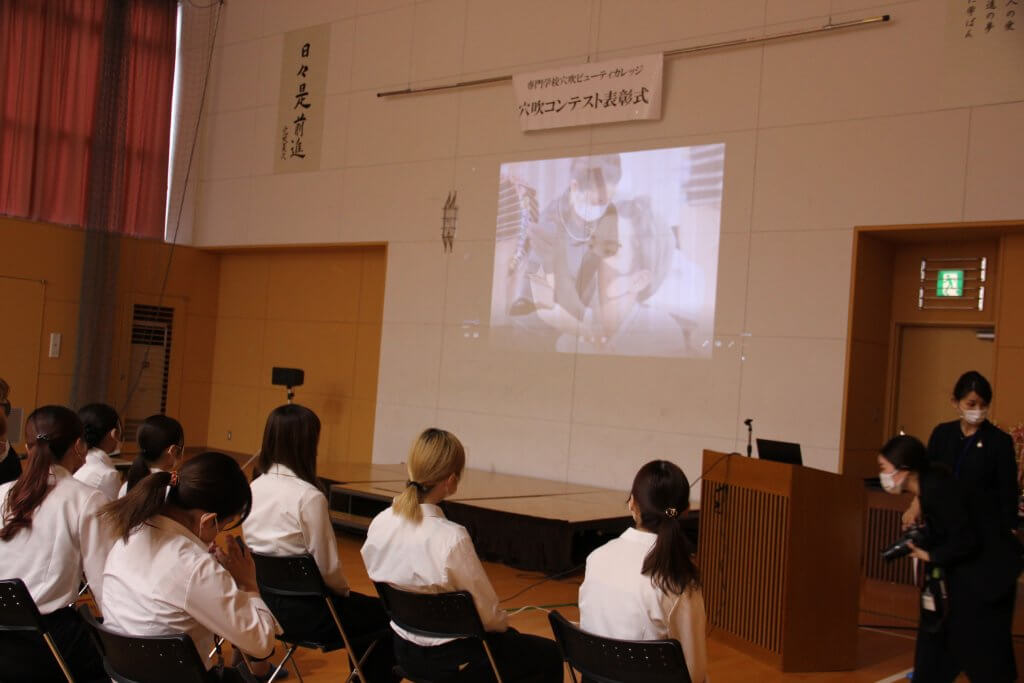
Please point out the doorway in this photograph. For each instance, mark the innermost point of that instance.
(929, 361)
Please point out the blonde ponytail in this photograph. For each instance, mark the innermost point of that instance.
(435, 456)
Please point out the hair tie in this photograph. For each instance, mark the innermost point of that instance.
(671, 513)
(418, 486)
(43, 437)
(174, 479)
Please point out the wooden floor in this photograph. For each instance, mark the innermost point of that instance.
(882, 654)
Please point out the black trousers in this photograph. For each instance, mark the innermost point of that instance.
(520, 657)
(976, 639)
(25, 658)
(362, 616)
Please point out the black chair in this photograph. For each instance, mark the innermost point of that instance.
(606, 660)
(435, 615)
(297, 576)
(146, 659)
(18, 612)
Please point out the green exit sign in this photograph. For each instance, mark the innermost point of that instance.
(950, 283)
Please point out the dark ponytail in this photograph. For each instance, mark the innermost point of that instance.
(98, 419)
(154, 436)
(661, 494)
(211, 482)
(51, 432)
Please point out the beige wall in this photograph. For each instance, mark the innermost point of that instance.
(39, 251)
(318, 310)
(885, 125)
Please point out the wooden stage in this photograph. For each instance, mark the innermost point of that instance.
(524, 522)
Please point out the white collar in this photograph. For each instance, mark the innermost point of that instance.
(167, 524)
(280, 470)
(634, 535)
(431, 510)
(99, 454)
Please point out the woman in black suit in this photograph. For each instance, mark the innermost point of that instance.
(981, 457)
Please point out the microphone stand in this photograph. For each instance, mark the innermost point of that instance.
(750, 437)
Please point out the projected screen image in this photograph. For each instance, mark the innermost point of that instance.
(611, 254)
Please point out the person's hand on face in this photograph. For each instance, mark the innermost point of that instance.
(238, 561)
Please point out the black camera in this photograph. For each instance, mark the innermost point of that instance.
(917, 534)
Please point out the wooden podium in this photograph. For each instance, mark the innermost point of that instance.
(780, 560)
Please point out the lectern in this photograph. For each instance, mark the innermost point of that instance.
(780, 555)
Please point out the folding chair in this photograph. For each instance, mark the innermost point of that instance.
(607, 660)
(435, 615)
(18, 612)
(146, 659)
(297, 576)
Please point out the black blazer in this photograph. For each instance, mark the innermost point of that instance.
(986, 467)
(10, 466)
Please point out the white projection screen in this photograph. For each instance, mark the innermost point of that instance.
(613, 254)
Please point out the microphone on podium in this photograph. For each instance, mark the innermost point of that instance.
(750, 435)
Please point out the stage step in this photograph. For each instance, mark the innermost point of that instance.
(350, 522)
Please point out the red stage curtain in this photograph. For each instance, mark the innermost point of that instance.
(60, 124)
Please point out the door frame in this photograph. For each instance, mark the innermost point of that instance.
(895, 352)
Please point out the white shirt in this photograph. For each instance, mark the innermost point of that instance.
(289, 516)
(163, 580)
(99, 472)
(434, 556)
(618, 601)
(66, 538)
(124, 487)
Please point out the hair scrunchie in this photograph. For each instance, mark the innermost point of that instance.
(418, 486)
(671, 513)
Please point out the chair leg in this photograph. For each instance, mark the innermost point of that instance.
(490, 657)
(357, 664)
(284, 662)
(56, 655)
(295, 665)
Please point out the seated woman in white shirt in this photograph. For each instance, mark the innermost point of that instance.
(413, 547)
(290, 517)
(161, 442)
(165, 574)
(50, 535)
(102, 427)
(644, 585)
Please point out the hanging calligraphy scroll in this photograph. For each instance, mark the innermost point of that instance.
(626, 89)
(300, 112)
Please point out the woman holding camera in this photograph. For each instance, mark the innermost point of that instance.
(958, 632)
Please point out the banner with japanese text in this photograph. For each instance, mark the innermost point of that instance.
(626, 89)
(300, 112)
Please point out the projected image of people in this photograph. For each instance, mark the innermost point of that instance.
(609, 254)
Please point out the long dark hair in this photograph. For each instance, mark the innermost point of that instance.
(155, 434)
(661, 494)
(98, 419)
(211, 482)
(54, 431)
(290, 439)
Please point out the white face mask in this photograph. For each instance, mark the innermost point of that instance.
(889, 482)
(975, 417)
(585, 210)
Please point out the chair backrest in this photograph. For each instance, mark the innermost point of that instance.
(289, 575)
(436, 615)
(18, 611)
(146, 659)
(606, 660)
